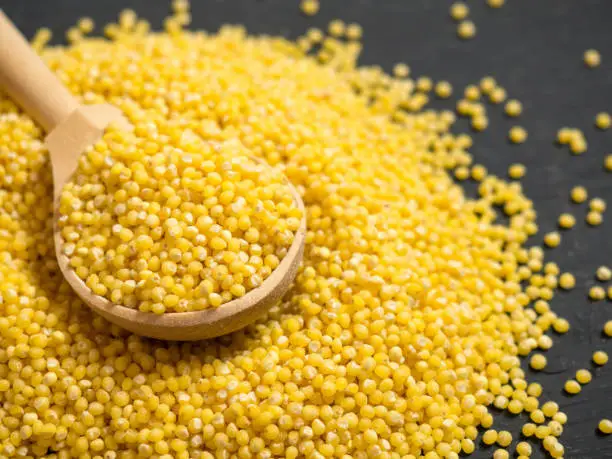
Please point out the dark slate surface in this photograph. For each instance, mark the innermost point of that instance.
(534, 48)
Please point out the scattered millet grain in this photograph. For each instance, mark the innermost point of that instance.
(597, 205)
(504, 438)
(537, 362)
(594, 218)
(501, 454)
(513, 108)
(487, 84)
(523, 449)
(597, 293)
(552, 239)
(603, 120)
(605, 426)
(337, 28)
(592, 58)
(608, 328)
(566, 221)
(584, 376)
(528, 429)
(550, 408)
(459, 11)
(489, 437)
(561, 325)
(401, 70)
(600, 358)
(572, 387)
(85, 25)
(471, 92)
(310, 7)
(603, 273)
(517, 134)
(443, 89)
(579, 194)
(497, 95)
(354, 31)
(424, 84)
(517, 171)
(466, 30)
(537, 416)
(479, 123)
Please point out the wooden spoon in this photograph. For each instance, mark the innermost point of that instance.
(71, 128)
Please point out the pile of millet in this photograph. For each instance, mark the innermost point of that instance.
(407, 321)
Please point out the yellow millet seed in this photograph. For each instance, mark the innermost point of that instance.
(600, 357)
(567, 281)
(537, 362)
(608, 163)
(592, 58)
(517, 171)
(529, 429)
(479, 172)
(466, 30)
(336, 28)
(310, 7)
(513, 108)
(401, 70)
(487, 84)
(523, 449)
(552, 239)
(566, 221)
(504, 438)
(594, 218)
(605, 426)
(597, 205)
(564, 136)
(608, 328)
(550, 409)
(424, 84)
(578, 143)
(572, 387)
(603, 120)
(537, 416)
(471, 92)
(443, 89)
(501, 454)
(354, 31)
(561, 325)
(496, 3)
(489, 437)
(517, 134)
(85, 25)
(579, 194)
(479, 123)
(498, 95)
(603, 274)
(459, 11)
(583, 376)
(597, 293)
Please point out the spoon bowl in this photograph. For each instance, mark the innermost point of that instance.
(195, 325)
(71, 128)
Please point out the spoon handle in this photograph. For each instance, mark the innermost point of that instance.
(29, 82)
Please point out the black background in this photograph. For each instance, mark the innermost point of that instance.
(534, 49)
